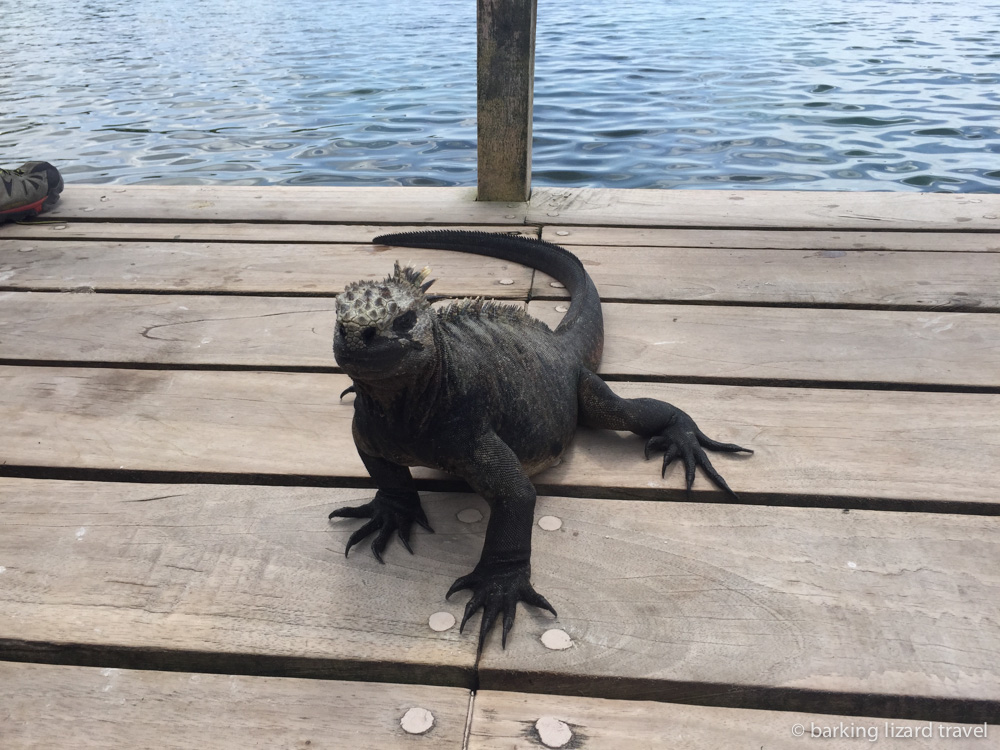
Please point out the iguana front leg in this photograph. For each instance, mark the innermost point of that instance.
(395, 507)
(502, 577)
(666, 428)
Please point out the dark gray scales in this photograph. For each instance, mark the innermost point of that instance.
(484, 391)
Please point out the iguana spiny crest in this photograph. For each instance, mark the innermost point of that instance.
(398, 309)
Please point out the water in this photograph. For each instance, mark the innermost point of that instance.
(791, 94)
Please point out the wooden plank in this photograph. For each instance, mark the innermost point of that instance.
(825, 277)
(689, 602)
(246, 268)
(82, 707)
(875, 279)
(720, 344)
(743, 239)
(813, 446)
(336, 205)
(229, 579)
(765, 208)
(222, 232)
(852, 448)
(885, 279)
(770, 239)
(511, 721)
(802, 609)
(173, 329)
(575, 206)
(255, 422)
(795, 344)
(505, 78)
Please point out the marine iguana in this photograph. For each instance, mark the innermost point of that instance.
(485, 391)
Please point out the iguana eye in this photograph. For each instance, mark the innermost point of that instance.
(404, 322)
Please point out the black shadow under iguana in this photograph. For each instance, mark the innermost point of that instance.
(487, 392)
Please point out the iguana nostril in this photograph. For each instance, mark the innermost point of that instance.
(368, 335)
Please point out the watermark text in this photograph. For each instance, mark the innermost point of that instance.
(878, 730)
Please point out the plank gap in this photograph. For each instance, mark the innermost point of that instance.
(469, 716)
(138, 290)
(121, 231)
(208, 367)
(430, 222)
(887, 706)
(546, 297)
(846, 503)
(215, 662)
(859, 385)
(757, 228)
(527, 297)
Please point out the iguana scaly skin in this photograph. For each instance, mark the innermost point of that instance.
(487, 392)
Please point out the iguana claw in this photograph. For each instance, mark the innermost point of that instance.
(387, 514)
(682, 438)
(498, 592)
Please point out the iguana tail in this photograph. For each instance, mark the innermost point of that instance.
(582, 328)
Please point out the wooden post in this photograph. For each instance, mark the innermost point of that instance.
(506, 83)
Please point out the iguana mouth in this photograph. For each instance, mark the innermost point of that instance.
(373, 356)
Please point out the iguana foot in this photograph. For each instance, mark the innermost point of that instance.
(497, 591)
(388, 512)
(682, 438)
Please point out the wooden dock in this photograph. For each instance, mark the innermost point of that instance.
(172, 440)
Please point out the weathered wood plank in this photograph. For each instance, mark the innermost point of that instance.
(575, 206)
(243, 268)
(223, 232)
(239, 580)
(877, 279)
(820, 277)
(769, 239)
(795, 344)
(177, 329)
(257, 422)
(742, 239)
(85, 707)
(688, 602)
(925, 449)
(765, 208)
(814, 446)
(338, 205)
(172, 329)
(887, 279)
(747, 344)
(511, 721)
(802, 609)
(505, 78)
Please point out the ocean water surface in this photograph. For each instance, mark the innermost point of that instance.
(784, 94)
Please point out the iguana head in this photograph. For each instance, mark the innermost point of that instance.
(385, 328)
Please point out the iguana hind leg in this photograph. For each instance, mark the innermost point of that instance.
(395, 507)
(666, 428)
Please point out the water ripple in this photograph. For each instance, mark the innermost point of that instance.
(888, 94)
